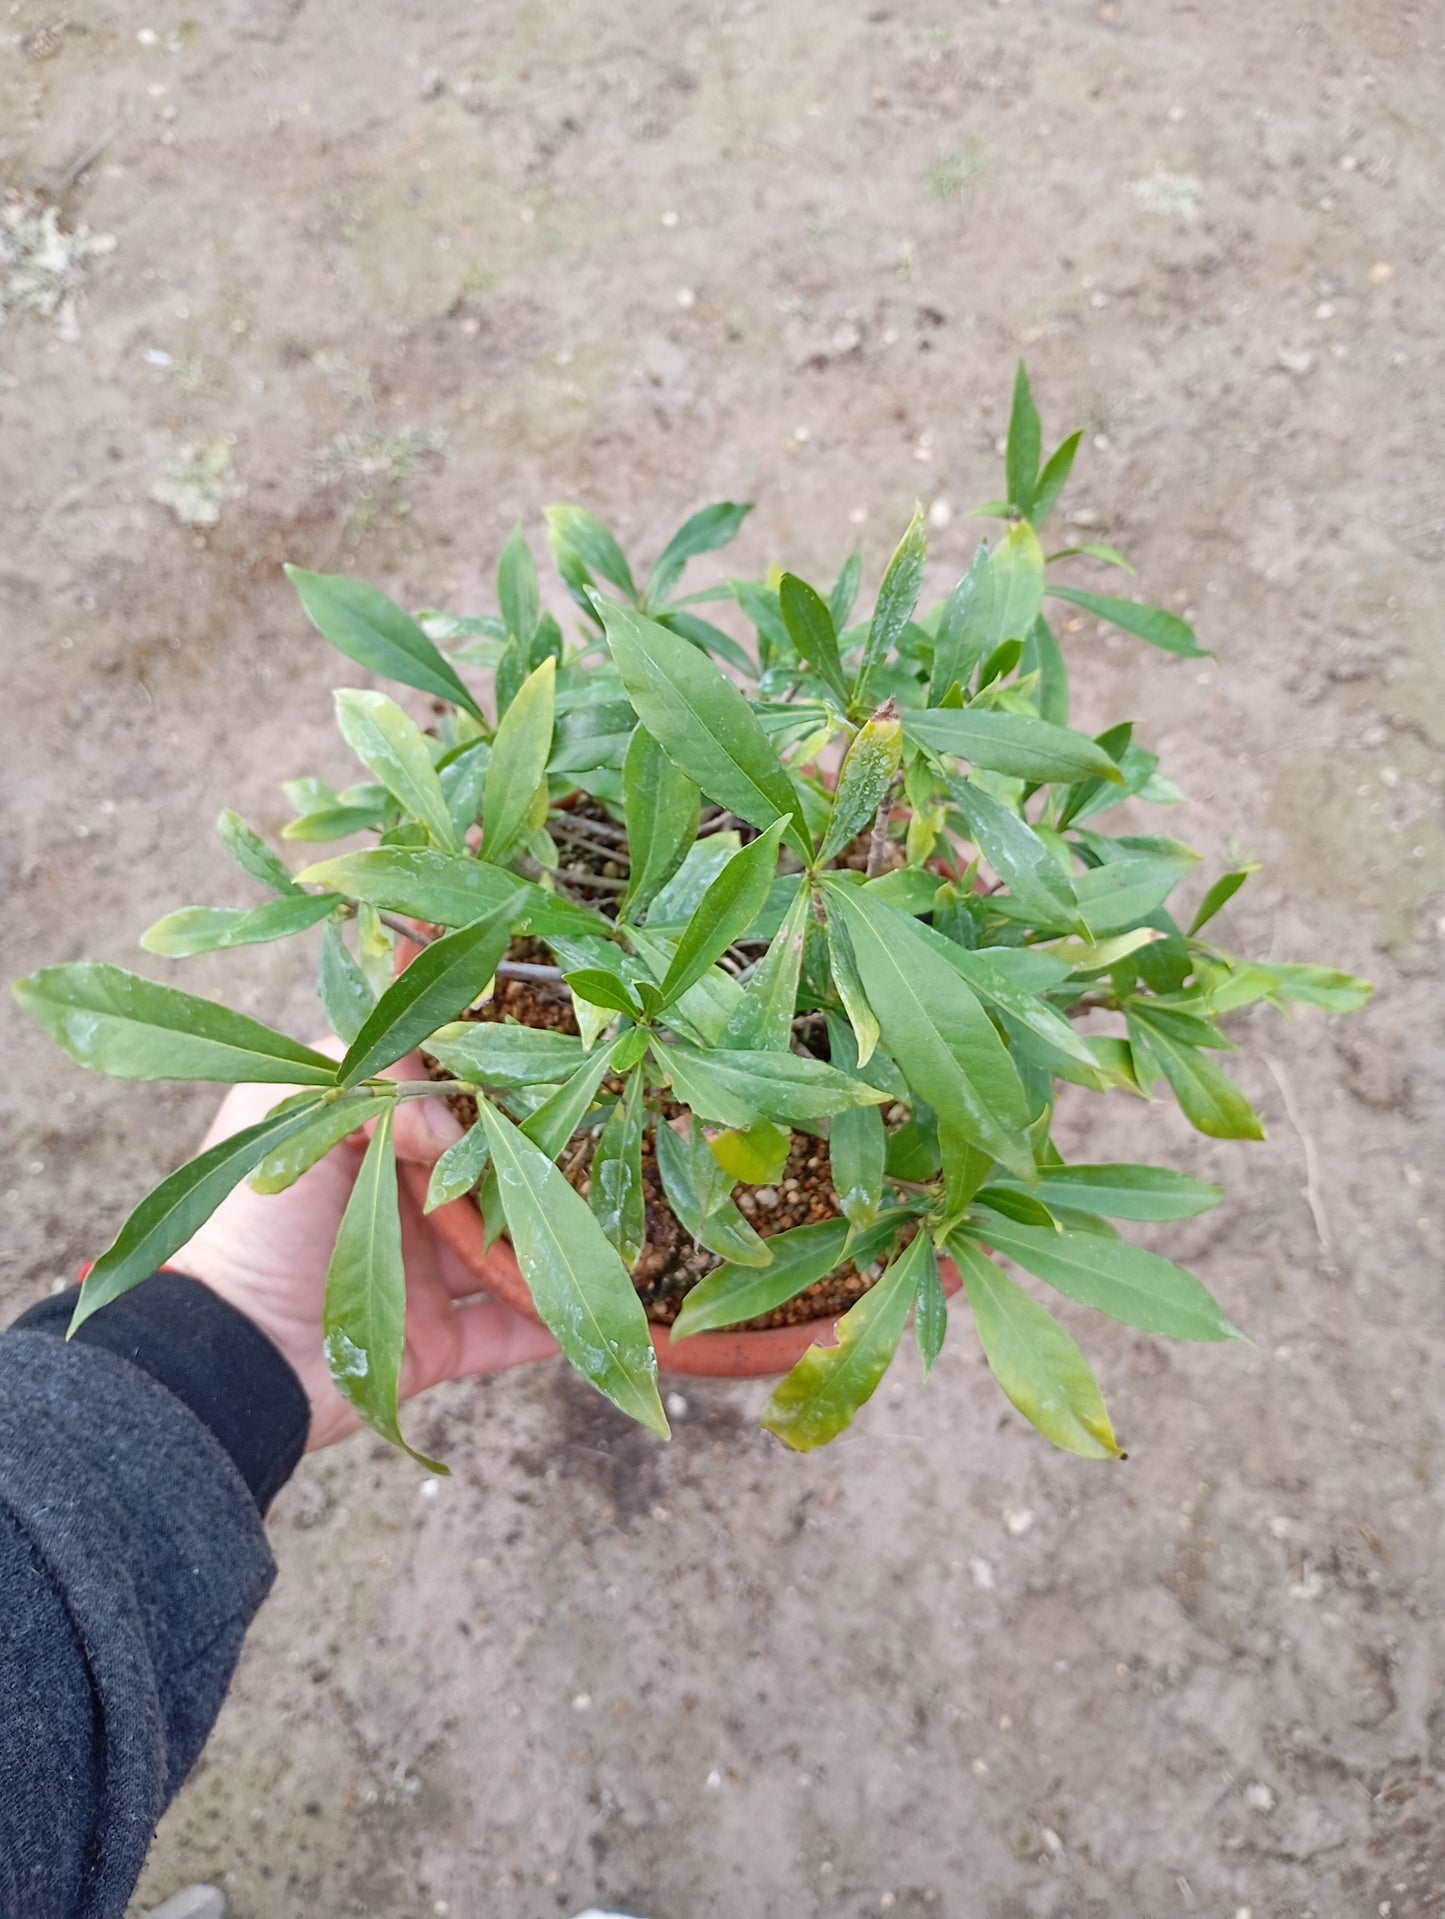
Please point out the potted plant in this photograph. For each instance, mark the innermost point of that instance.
(753, 971)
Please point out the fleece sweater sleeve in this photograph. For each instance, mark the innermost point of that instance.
(136, 1463)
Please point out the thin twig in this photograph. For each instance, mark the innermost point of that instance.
(577, 877)
(604, 829)
(878, 843)
(86, 160)
(506, 969)
(585, 845)
(1311, 1186)
(407, 929)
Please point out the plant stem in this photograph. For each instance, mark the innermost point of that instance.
(506, 969)
(878, 844)
(586, 845)
(578, 877)
(604, 829)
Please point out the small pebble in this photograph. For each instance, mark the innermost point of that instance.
(1381, 273)
(147, 36)
(714, 1780)
(677, 1406)
(857, 515)
(669, 219)
(1018, 1522)
(581, 1702)
(1258, 1797)
(686, 298)
(940, 513)
(1297, 363)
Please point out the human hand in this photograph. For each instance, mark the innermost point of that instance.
(267, 1256)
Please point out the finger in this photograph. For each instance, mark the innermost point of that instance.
(424, 1129)
(458, 1277)
(491, 1338)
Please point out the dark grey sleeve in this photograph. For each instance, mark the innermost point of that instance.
(133, 1557)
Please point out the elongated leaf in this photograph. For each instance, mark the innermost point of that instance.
(132, 1028)
(897, 597)
(846, 978)
(1117, 896)
(1124, 1281)
(615, 1192)
(756, 1155)
(825, 1389)
(1035, 1361)
(1053, 479)
(699, 1191)
(1127, 1192)
(810, 627)
(372, 630)
(180, 1206)
(1013, 743)
(600, 988)
(579, 1284)
(462, 778)
(857, 1144)
(801, 1257)
(1022, 460)
(1208, 1097)
(763, 1018)
(1044, 655)
(559, 1116)
(444, 978)
(707, 531)
(459, 1168)
(364, 1320)
(863, 783)
(586, 551)
(1016, 853)
(1149, 623)
(702, 721)
(1278, 982)
(390, 742)
(518, 766)
(252, 854)
(506, 1056)
(346, 995)
(996, 975)
(725, 912)
(517, 587)
(1097, 956)
(845, 590)
(735, 1088)
(935, 1029)
(965, 627)
(930, 1310)
(1219, 895)
(285, 1164)
(1018, 583)
(443, 888)
(704, 1009)
(710, 638)
(206, 929)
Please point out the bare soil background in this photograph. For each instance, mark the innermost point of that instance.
(405, 272)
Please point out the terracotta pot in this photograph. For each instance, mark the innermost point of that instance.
(758, 1354)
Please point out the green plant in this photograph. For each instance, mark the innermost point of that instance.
(854, 890)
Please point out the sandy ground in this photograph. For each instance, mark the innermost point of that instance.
(410, 271)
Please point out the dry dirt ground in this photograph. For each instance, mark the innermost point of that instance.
(404, 272)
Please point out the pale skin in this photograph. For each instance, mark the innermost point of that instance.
(267, 1256)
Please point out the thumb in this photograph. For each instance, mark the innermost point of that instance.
(424, 1128)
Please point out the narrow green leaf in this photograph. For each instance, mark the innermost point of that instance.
(444, 889)
(725, 912)
(252, 854)
(506, 1056)
(863, 782)
(710, 638)
(1022, 460)
(1035, 1361)
(801, 1257)
(601, 988)
(132, 1028)
(810, 627)
(1116, 897)
(1149, 623)
(345, 994)
(441, 981)
(1018, 583)
(1278, 982)
(844, 968)
(559, 1116)
(616, 1193)
(207, 929)
(965, 627)
(1219, 895)
(460, 1167)
(702, 721)
(1208, 1097)
(285, 1164)
(585, 550)
(736, 1088)
(391, 743)
(762, 1021)
(1053, 479)
(517, 588)
(935, 1029)
(845, 590)
(1043, 655)
(897, 597)
(755, 1155)
(930, 1309)
(1127, 1192)
(180, 1206)
(1093, 550)
(518, 765)
(372, 630)
(462, 776)
(1014, 743)
(706, 532)
(364, 1320)
(1124, 1281)
(699, 1191)
(1016, 853)
(857, 1143)
(579, 1284)
(825, 1389)
(678, 900)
